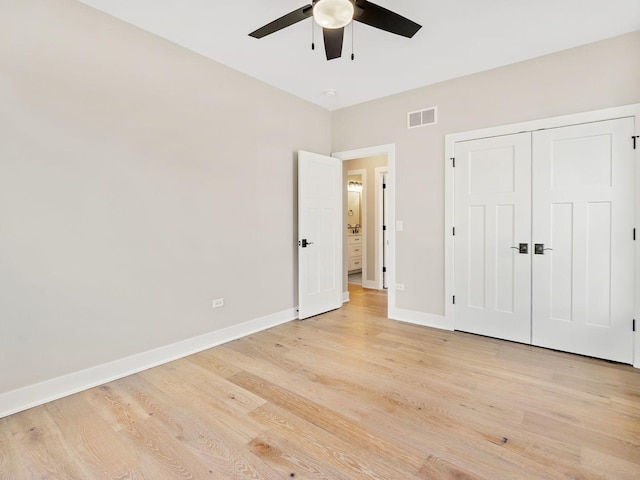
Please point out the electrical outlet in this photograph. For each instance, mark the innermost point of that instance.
(400, 286)
(218, 302)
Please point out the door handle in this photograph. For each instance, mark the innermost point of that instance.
(539, 249)
(304, 243)
(522, 249)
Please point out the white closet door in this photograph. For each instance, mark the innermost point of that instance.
(493, 215)
(582, 290)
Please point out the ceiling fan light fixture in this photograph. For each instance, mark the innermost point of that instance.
(333, 13)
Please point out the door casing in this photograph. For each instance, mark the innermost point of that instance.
(553, 122)
(390, 151)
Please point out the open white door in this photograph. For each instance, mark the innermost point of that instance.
(319, 234)
(385, 231)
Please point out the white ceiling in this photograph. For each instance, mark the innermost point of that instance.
(458, 37)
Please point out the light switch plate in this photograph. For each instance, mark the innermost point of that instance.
(218, 302)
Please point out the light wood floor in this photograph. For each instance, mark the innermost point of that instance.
(348, 394)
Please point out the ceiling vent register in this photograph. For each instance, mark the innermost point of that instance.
(421, 118)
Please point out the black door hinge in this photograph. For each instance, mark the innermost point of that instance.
(454, 231)
(634, 233)
(634, 324)
(384, 185)
(453, 162)
(384, 269)
(635, 140)
(454, 299)
(384, 228)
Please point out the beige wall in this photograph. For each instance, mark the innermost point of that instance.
(369, 164)
(138, 181)
(599, 75)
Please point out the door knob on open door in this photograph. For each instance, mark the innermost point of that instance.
(539, 249)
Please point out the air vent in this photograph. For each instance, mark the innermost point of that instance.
(421, 118)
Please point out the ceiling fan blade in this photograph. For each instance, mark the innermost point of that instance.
(283, 22)
(379, 17)
(333, 38)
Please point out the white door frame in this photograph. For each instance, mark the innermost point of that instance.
(553, 122)
(390, 151)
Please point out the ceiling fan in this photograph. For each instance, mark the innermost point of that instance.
(334, 15)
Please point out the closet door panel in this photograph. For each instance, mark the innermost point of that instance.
(493, 215)
(583, 282)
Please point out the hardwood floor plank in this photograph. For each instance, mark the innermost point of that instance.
(609, 466)
(207, 429)
(115, 406)
(210, 363)
(164, 454)
(628, 449)
(40, 451)
(201, 413)
(330, 420)
(200, 384)
(345, 395)
(290, 461)
(96, 444)
(12, 464)
(435, 467)
(325, 445)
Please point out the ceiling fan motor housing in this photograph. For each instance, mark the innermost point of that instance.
(333, 13)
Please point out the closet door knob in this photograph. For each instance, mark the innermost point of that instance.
(539, 249)
(522, 249)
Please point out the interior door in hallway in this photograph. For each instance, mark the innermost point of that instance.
(319, 234)
(492, 221)
(385, 231)
(583, 280)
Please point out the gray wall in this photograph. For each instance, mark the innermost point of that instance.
(138, 181)
(600, 75)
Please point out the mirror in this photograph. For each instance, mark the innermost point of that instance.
(354, 202)
(354, 209)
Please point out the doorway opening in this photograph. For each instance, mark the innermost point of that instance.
(377, 214)
(364, 217)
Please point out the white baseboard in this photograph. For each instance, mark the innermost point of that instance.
(419, 318)
(370, 284)
(345, 297)
(33, 395)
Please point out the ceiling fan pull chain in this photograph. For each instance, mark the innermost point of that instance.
(353, 26)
